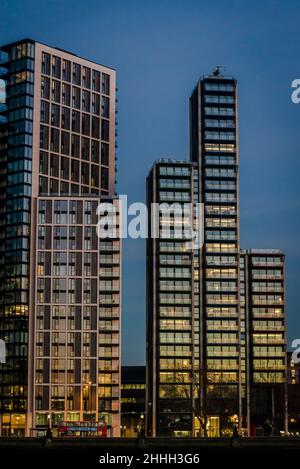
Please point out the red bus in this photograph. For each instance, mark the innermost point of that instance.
(96, 429)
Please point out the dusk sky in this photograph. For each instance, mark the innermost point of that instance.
(159, 50)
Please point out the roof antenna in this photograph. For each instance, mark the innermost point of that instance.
(217, 70)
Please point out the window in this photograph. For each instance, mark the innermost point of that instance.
(96, 81)
(54, 140)
(43, 162)
(75, 121)
(86, 77)
(86, 101)
(105, 107)
(85, 124)
(54, 165)
(53, 186)
(65, 118)
(219, 87)
(66, 70)
(104, 129)
(65, 143)
(75, 145)
(85, 148)
(76, 97)
(56, 62)
(66, 93)
(95, 175)
(96, 104)
(95, 127)
(104, 154)
(222, 99)
(104, 178)
(95, 151)
(55, 115)
(105, 83)
(75, 170)
(44, 137)
(64, 168)
(84, 173)
(76, 74)
(55, 91)
(45, 112)
(45, 63)
(43, 185)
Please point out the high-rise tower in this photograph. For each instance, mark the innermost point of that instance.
(211, 366)
(57, 161)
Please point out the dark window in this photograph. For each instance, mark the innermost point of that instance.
(55, 110)
(105, 83)
(74, 189)
(95, 151)
(105, 107)
(64, 168)
(44, 137)
(64, 187)
(85, 148)
(43, 162)
(95, 127)
(53, 186)
(66, 92)
(45, 63)
(75, 145)
(96, 81)
(104, 178)
(86, 77)
(65, 143)
(86, 101)
(56, 62)
(45, 112)
(54, 165)
(75, 121)
(104, 129)
(105, 154)
(43, 185)
(54, 141)
(66, 70)
(76, 97)
(85, 173)
(45, 88)
(65, 118)
(76, 72)
(94, 175)
(75, 170)
(55, 91)
(96, 104)
(86, 124)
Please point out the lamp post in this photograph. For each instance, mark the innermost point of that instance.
(87, 397)
(49, 432)
(141, 427)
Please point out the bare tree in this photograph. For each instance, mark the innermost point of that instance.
(193, 389)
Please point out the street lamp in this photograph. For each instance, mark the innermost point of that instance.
(87, 397)
(49, 432)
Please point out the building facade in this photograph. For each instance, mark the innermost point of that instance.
(262, 295)
(214, 146)
(200, 351)
(57, 140)
(173, 304)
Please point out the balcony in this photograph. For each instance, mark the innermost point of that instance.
(264, 328)
(265, 341)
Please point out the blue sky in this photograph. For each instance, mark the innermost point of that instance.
(160, 49)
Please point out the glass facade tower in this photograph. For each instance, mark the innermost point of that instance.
(213, 108)
(57, 140)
